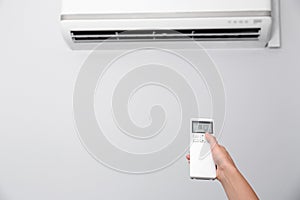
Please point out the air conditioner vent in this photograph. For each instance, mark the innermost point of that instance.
(232, 34)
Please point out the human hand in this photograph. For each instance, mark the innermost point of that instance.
(234, 184)
(220, 156)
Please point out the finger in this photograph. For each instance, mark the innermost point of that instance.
(188, 157)
(211, 140)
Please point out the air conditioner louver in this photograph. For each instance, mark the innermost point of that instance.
(234, 34)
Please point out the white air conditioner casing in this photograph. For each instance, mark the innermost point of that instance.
(213, 23)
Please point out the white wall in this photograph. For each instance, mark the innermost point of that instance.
(41, 156)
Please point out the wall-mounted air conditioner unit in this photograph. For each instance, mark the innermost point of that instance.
(213, 23)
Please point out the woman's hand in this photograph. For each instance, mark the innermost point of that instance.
(220, 156)
(233, 182)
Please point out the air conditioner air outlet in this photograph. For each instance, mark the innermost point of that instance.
(166, 35)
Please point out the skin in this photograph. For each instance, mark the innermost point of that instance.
(235, 185)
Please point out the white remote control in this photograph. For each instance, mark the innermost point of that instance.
(202, 165)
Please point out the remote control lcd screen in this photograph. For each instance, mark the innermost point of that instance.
(202, 127)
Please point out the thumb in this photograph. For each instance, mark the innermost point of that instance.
(211, 140)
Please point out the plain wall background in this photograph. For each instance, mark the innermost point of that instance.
(41, 156)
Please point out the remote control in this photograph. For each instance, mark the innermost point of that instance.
(202, 165)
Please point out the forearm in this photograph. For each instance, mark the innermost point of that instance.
(235, 185)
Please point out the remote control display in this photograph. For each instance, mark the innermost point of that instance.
(202, 127)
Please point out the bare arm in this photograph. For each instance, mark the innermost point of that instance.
(233, 182)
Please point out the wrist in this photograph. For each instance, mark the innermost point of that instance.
(225, 171)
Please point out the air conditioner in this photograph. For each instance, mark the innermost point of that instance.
(213, 23)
